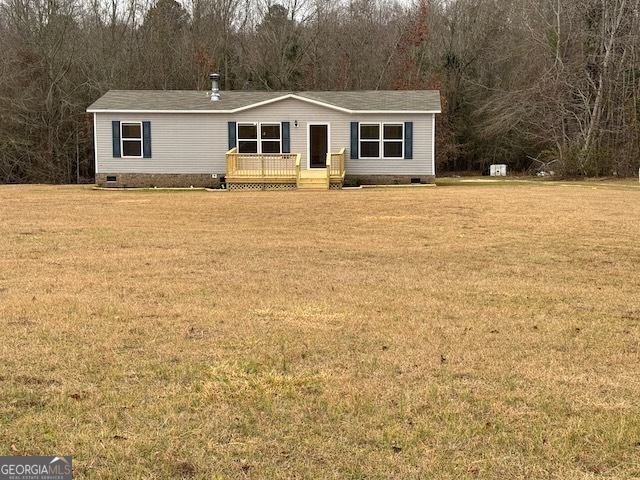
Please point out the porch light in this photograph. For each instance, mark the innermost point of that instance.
(295, 123)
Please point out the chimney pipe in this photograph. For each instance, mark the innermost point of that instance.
(215, 87)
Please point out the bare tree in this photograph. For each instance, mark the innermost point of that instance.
(550, 78)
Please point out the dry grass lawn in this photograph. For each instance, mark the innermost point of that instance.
(466, 331)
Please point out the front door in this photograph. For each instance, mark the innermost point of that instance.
(318, 145)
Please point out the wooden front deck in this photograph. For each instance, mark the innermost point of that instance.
(281, 171)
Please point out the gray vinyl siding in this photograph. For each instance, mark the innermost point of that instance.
(197, 143)
(290, 110)
(420, 164)
(180, 143)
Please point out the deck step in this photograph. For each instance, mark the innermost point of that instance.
(313, 180)
(319, 173)
(313, 186)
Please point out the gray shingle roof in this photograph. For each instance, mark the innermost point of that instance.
(191, 100)
(385, 100)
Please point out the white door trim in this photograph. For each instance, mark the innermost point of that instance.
(309, 125)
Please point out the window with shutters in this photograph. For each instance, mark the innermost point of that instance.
(381, 140)
(131, 139)
(370, 140)
(392, 140)
(259, 138)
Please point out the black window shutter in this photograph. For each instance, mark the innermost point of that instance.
(115, 137)
(408, 140)
(146, 139)
(354, 140)
(286, 141)
(232, 135)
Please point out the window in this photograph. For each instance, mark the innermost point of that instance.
(259, 138)
(247, 138)
(131, 138)
(381, 140)
(369, 140)
(270, 135)
(392, 140)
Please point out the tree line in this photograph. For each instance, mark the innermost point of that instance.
(552, 80)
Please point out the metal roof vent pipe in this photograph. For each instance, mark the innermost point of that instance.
(215, 87)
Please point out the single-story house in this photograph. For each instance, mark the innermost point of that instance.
(258, 140)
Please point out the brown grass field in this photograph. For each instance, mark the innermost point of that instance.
(473, 330)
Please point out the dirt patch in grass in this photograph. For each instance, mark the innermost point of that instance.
(394, 333)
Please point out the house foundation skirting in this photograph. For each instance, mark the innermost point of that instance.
(161, 180)
(261, 186)
(357, 180)
(166, 180)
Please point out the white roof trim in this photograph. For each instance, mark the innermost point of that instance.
(379, 112)
(318, 102)
(265, 102)
(285, 97)
(118, 110)
(358, 112)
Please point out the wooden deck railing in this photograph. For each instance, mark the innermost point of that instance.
(277, 168)
(335, 164)
(275, 165)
